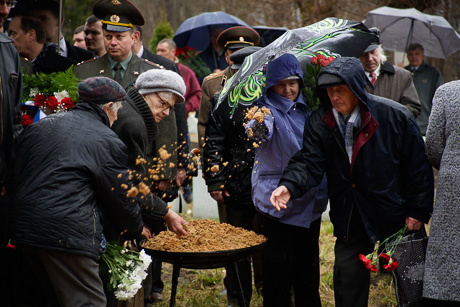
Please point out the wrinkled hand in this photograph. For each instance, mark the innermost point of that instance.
(413, 224)
(181, 175)
(175, 223)
(218, 195)
(163, 185)
(146, 233)
(280, 197)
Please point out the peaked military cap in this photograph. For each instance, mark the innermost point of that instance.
(238, 37)
(117, 15)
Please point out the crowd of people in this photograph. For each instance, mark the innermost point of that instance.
(65, 177)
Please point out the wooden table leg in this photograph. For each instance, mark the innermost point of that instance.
(175, 278)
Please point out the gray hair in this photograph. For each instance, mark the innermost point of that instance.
(114, 108)
(171, 44)
(382, 55)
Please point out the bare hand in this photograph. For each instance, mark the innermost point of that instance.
(146, 233)
(175, 223)
(280, 197)
(163, 185)
(180, 177)
(413, 224)
(218, 195)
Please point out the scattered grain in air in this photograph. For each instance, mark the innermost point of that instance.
(171, 165)
(215, 168)
(124, 186)
(143, 188)
(255, 145)
(119, 175)
(132, 192)
(169, 206)
(225, 163)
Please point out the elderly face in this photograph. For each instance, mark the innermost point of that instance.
(289, 89)
(164, 51)
(415, 57)
(342, 99)
(118, 44)
(370, 60)
(94, 38)
(161, 104)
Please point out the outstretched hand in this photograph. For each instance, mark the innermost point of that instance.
(175, 223)
(280, 197)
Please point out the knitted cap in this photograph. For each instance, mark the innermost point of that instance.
(160, 80)
(100, 90)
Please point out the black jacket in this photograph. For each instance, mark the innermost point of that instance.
(389, 177)
(228, 147)
(10, 102)
(71, 170)
(78, 54)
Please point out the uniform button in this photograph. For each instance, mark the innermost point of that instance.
(366, 135)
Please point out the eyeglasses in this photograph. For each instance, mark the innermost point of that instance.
(164, 104)
(9, 4)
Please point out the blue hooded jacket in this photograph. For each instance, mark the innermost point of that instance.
(285, 127)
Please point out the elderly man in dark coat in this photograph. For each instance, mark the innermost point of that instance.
(379, 178)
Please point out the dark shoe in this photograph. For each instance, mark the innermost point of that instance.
(155, 296)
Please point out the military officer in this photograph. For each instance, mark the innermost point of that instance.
(119, 63)
(230, 40)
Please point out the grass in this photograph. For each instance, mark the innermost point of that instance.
(198, 288)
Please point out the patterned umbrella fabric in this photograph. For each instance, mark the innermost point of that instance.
(329, 37)
(401, 27)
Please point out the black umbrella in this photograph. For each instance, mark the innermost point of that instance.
(329, 37)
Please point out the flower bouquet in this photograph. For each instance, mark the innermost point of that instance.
(189, 57)
(126, 269)
(310, 90)
(45, 94)
(371, 260)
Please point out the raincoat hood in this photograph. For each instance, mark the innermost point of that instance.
(282, 67)
(351, 71)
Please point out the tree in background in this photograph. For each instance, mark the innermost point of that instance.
(163, 30)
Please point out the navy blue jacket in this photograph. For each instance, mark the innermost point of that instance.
(389, 177)
(70, 172)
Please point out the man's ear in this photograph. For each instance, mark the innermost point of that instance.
(107, 107)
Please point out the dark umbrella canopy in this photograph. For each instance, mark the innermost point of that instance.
(330, 37)
(269, 34)
(401, 27)
(195, 31)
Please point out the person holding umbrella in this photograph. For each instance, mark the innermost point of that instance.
(386, 80)
(426, 80)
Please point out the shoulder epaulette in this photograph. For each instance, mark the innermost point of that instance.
(214, 75)
(154, 64)
(87, 61)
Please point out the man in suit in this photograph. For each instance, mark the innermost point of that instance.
(29, 36)
(94, 38)
(48, 12)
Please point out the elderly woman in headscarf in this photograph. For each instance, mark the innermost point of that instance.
(291, 258)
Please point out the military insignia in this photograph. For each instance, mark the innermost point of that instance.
(116, 2)
(101, 71)
(241, 39)
(115, 18)
(135, 72)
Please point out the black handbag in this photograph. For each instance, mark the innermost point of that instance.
(408, 276)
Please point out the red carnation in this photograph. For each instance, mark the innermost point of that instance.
(27, 120)
(372, 268)
(364, 260)
(314, 60)
(52, 103)
(67, 103)
(39, 100)
(391, 266)
(385, 257)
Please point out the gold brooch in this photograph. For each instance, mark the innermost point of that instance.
(114, 18)
(116, 2)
